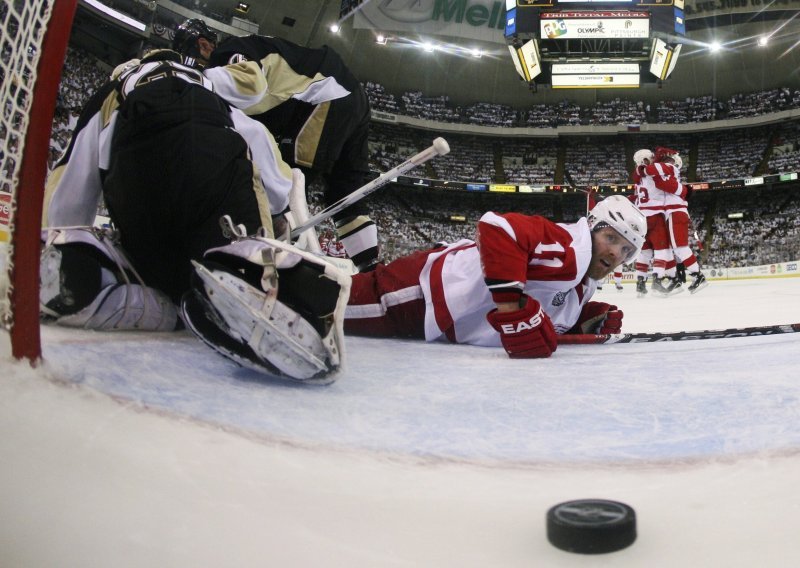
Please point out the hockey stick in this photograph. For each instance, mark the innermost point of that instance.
(591, 339)
(439, 148)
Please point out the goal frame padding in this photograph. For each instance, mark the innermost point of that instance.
(25, 333)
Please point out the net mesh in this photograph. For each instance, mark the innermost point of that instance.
(22, 27)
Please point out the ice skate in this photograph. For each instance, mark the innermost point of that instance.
(667, 286)
(698, 283)
(641, 286)
(658, 286)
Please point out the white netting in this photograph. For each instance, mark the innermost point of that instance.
(22, 27)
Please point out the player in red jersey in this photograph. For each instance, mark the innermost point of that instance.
(524, 280)
(657, 248)
(665, 175)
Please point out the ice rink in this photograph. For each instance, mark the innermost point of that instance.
(150, 450)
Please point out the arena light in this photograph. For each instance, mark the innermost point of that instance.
(714, 46)
(334, 28)
(763, 40)
(428, 47)
(380, 39)
(476, 52)
(242, 7)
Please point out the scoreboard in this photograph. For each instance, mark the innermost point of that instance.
(644, 35)
(665, 15)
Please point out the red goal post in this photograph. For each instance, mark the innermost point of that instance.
(33, 44)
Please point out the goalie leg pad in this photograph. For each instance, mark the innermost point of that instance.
(271, 307)
(87, 282)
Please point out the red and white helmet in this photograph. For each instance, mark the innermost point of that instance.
(641, 155)
(624, 217)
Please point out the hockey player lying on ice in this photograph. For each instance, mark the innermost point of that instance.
(523, 281)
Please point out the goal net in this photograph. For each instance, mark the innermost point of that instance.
(33, 42)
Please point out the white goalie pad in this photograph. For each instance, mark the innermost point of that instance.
(239, 309)
(298, 214)
(87, 282)
(308, 240)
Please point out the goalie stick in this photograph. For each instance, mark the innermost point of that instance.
(591, 339)
(439, 148)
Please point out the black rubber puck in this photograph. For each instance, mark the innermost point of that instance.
(591, 526)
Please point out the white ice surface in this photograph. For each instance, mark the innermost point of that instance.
(150, 450)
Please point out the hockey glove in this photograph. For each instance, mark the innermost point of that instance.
(599, 317)
(525, 333)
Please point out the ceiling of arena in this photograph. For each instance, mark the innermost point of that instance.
(401, 65)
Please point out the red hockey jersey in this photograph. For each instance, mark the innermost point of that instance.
(546, 260)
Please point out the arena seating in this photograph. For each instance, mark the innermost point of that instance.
(412, 218)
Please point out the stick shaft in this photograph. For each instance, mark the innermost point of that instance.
(363, 191)
(591, 339)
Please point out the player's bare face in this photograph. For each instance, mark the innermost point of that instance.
(609, 250)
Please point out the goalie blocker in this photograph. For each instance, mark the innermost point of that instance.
(270, 306)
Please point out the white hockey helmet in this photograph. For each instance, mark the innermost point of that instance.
(624, 217)
(678, 161)
(641, 155)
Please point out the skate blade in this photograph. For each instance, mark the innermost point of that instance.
(700, 287)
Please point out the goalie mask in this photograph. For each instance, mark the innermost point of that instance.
(622, 216)
(187, 34)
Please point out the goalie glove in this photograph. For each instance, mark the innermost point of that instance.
(525, 333)
(599, 318)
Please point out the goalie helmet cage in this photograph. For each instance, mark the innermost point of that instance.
(34, 36)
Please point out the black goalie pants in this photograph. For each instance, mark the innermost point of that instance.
(176, 167)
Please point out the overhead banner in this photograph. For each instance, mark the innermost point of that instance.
(595, 81)
(471, 19)
(594, 25)
(598, 67)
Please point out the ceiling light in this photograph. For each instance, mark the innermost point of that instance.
(380, 39)
(427, 46)
(763, 40)
(334, 28)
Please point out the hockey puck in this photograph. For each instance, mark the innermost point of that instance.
(591, 526)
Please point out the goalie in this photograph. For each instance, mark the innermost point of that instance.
(171, 159)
